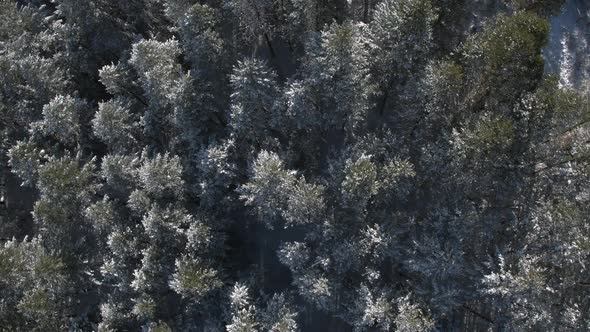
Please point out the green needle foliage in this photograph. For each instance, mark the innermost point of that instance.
(290, 165)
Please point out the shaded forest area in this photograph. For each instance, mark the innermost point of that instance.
(294, 165)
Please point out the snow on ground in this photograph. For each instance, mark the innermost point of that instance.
(567, 51)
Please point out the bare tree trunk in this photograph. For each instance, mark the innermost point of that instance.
(269, 44)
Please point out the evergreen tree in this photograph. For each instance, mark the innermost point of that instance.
(286, 165)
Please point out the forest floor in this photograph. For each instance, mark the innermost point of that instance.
(572, 29)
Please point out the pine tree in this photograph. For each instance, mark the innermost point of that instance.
(285, 165)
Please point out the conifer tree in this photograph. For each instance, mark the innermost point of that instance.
(287, 165)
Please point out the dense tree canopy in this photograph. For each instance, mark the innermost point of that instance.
(290, 165)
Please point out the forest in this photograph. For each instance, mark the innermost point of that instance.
(294, 165)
